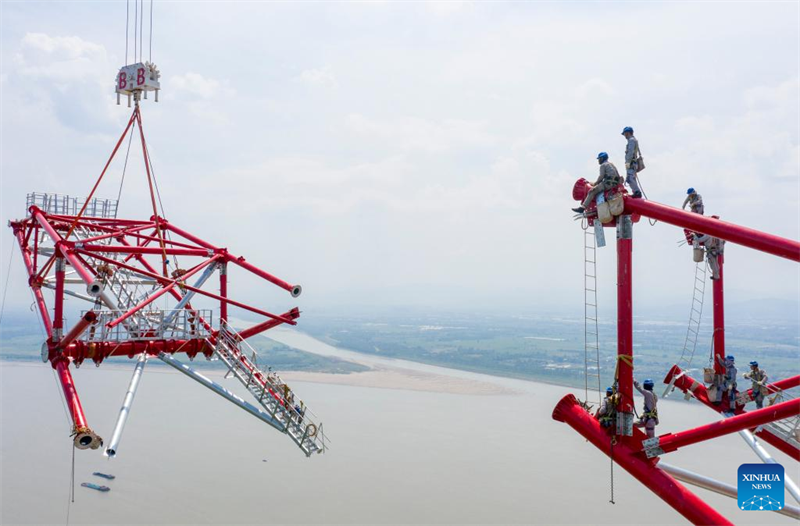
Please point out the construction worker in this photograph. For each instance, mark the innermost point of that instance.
(695, 202)
(649, 418)
(632, 161)
(759, 379)
(609, 178)
(607, 414)
(727, 381)
(714, 247)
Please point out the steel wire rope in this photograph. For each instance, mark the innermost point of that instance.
(125, 166)
(135, 27)
(127, 28)
(151, 31)
(158, 195)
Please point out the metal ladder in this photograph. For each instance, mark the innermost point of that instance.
(787, 429)
(591, 337)
(269, 390)
(695, 316)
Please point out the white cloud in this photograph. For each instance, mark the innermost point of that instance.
(320, 77)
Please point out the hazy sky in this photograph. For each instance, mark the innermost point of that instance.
(420, 154)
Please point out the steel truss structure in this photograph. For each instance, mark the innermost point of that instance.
(127, 271)
(776, 424)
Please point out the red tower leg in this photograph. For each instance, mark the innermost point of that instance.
(569, 411)
(85, 438)
(625, 325)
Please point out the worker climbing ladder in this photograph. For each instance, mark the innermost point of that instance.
(591, 337)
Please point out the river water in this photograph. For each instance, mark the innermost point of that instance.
(397, 456)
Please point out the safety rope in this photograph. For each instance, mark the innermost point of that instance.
(649, 220)
(613, 441)
(71, 496)
(5, 287)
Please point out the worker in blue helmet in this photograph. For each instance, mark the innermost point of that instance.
(726, 382)
(649, 416)
(758, 377)
(695, 201)
(607, 414)
(633, 161)
(609, 178)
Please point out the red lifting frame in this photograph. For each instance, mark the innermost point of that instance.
(628, 451)
(134, 239)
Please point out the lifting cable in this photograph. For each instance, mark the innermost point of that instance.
(151, 32)
(96, 184)
(125, 166)
(127, 28)
(152, 192)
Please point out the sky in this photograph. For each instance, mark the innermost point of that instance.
(419, 154)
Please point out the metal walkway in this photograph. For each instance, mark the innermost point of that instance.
(288, 413)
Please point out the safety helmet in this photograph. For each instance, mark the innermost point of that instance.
(754, 364)
(648, 384)
(609, 391)
(602, 156)
(627, 129)
(690, 191)
(730, 358)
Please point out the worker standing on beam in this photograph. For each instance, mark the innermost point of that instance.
(609, 178)
(695, 202)
(727, 381)
(633, 161)
(759, 379)
(649, 418)
(607, 414)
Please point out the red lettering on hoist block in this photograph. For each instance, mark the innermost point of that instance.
(122, 80)
(140, 76)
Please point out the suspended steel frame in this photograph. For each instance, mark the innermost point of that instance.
(78, 248)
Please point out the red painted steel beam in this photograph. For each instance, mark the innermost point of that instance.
(150, 299)
(146, 250)
(695, 510)
(295, 290)
(748, 237)
(269, 324)
(37, 290)
(61, 365)
(62, 247)
(749, 420)
(99, 351)
(78, 329)
(166, 281)
(625, 314)
(686, 383)
(719, 317)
